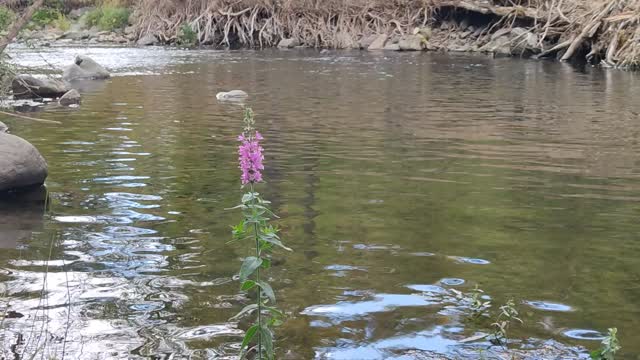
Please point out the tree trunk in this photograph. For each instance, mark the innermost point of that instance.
(19, 24)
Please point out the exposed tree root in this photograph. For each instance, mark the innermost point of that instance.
(606, 31)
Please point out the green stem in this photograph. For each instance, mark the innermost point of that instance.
(255, 230)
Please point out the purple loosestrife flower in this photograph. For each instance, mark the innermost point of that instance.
(250, 157)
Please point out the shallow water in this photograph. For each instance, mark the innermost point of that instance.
(399, 178)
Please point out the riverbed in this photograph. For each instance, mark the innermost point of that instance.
(402, 181)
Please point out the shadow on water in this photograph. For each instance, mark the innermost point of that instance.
(20, 215)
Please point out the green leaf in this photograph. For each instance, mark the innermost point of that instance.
(250, 196)
(245, 311)
(266, 263)
(270, 238)
(238, 231)
(248, 285)
(251, 333)
(596, 354)
(266, 288)
(267, 341)
(274, 311)
(249, 265)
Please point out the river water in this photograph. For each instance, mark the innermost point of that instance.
(402, 181)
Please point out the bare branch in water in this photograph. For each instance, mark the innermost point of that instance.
(30, 118)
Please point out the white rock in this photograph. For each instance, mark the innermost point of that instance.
(232, 95)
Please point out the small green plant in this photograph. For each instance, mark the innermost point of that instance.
(186, 36)
(92, 18)
(114, 18)
(108, 18)
(255, 227)
(478, 305)
(6, 17)
(45, 16)
(610, 346)
(62, 23)
(508, 314)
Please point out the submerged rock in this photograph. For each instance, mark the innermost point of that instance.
(233, 95)
(379, 42)
(412, 43)
(21, 165)
(85, 68)
(70, 98)
(29, 87)
(147, 40)
(288, 43)
(3, 128)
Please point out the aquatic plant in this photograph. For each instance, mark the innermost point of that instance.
(255, 227)
(478, 304)
(610, 346)
(508, 315)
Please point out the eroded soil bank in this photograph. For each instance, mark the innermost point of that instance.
(600, 32)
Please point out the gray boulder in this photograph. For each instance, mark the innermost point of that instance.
(366, 41)
(3, 128)
(147, 40)
(21, 165)
(524, 41)
(288, 43)
(233, 95)
(392, 47)
(70, 98)
(412, 43)
(29, 87)
(379, 42)
(84, 68)
(516, 41)
(76, 35)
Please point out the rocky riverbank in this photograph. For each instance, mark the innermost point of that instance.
(601, 34)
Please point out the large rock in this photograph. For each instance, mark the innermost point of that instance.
(76, 35)
(84, 68)
(366, 41)
(379, 42)
(3, 128)
(288, 43)
(233, 95)
(21, 165)
(516, 41)
(524, 41)
(392, 47)
(412, 43)
(29, 87)
(72, 97)
(147, 40)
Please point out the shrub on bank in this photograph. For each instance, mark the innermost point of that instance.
(108, 18)
(6, 17)
(49, 16)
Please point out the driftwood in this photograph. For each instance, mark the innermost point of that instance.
(588, 30)
(19, 24)
(29, 118)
